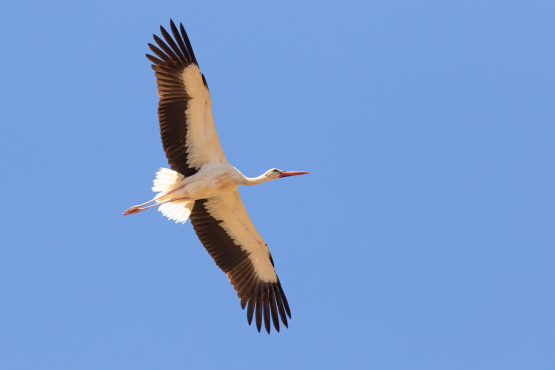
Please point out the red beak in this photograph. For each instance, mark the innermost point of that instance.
(292, 173)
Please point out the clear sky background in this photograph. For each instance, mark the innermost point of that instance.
(422, 239)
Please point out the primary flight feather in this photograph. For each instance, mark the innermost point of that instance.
(202, 186)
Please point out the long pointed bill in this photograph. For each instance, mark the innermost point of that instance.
(292, 173)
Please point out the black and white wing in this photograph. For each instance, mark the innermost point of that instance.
(226, 231)
(185, 110)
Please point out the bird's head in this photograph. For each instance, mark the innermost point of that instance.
(275, 174)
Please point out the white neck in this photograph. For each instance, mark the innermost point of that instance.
(248, 181)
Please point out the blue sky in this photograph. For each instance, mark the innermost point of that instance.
(422, 239)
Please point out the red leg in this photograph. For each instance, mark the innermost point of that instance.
(137, 209)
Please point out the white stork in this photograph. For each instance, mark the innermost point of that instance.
(202, 185)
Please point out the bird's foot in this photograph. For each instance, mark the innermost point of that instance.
(134, 209)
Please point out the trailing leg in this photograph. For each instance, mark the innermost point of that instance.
(137, 209)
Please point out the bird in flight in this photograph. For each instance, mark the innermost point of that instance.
(202, 185)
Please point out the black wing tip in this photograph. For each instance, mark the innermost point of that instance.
(285, 303)
(154, 60)
(267, 306)
(244, 302)
(250, 311)
(188, 43)
(179, 49)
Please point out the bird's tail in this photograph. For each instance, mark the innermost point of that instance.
(167, 180)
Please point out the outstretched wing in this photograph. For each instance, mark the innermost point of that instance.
(185, 110)
(226, 231)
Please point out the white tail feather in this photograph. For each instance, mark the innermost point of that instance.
(178, 210)
(167, 180)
